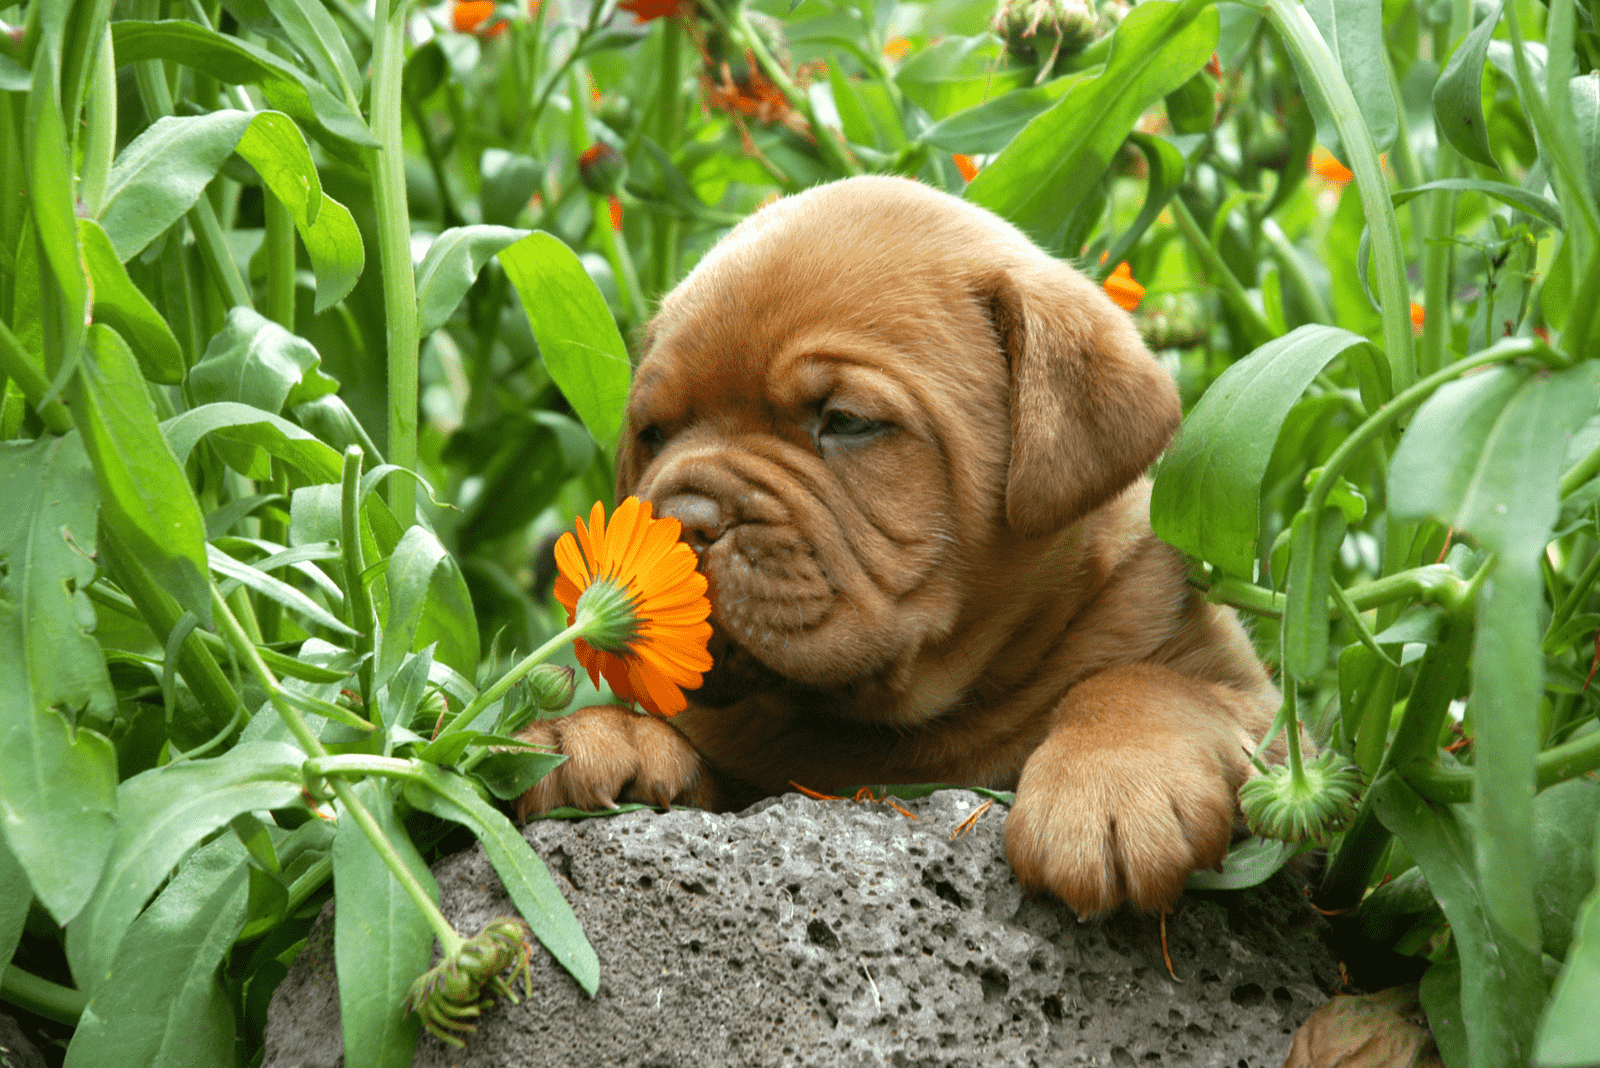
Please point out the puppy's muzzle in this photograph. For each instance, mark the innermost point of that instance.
(704, 521)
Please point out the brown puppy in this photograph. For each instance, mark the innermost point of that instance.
(910, 449)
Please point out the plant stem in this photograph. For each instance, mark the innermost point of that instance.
(357, 603)
(1300, 36)
(664, 230)
(40, 996)
(449, 940)
(386, 163)
(1454, 786)
(16, 362)
(100, 137)
(1228, 285)
(1294, 272)
(488, 697)
(280, 261)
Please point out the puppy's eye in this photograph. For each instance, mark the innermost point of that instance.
(842, 424)
(651, 439)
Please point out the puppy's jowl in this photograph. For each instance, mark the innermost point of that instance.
(910, 448)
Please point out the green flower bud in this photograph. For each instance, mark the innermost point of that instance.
(1308, 808)
(601, 166)
(551, 686)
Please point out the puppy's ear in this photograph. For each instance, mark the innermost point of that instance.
(1091, 408)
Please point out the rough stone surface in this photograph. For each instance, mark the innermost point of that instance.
(802, 932)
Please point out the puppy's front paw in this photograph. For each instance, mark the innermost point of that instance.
(1097, 827)
(614, 754)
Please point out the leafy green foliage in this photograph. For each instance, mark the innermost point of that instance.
(236, 637)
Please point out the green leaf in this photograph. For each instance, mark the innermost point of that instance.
(1353, 32)
(235, 62)
(577, 336)
(957, 73)
(1249, 863)
(1564, 842)
(16, 895)
(1519, 198)
(50, 189)
(161, 815)
(164, 1005)
(144, 494)
(1314, 542)
(1585, 96)
(855, 123)
(275, 589)
(523, 459)
(251, 426)
(454, 259)
(526, 879)
(991, 126)
(14, 77)
(1440, 994)
(1569, 1034)
(1484, 454)
(1042, 178)
(1166, 169)
(1500, 1005)
(162, 173)
(57, 787)
(1458, 95)
(316, 36)
(120, 305)
(252, 360)
(381, 941)
(428, 603)
(1207, 496)
(508, 775)
(510, 180)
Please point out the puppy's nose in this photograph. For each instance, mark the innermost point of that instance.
(702, 519)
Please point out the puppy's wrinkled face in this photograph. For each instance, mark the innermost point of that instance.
(815, 400)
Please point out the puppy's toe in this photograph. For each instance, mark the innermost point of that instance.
(669, 768)
(1097, 829)
(612, 753)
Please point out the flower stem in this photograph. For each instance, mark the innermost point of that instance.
(279, 247)
(40, 996)
(387, 166)
(488, 697)
(1228, 285)
(356, 600)
(449, 940)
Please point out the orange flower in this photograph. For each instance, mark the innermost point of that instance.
(895, 49)
(469, 16)
(966, 165)
(649, 642)
(646, 10)
(616, 217)
(1416, 317)
(1123, 289)
(1325, 164)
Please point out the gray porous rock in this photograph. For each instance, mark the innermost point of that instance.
(15, 1049)
(827, 933)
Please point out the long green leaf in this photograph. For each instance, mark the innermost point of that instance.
(164, 1006)
(1458, 95)
(381, 942)
(453, 260)
(162, 814)
(16, 895)
(57, 787)
(313, 31)
(1207, 497)
(1500, 1002)
(276, 589)
(236, 62)
(252, 426)
(1569, 1034)
(577, 336)
(120, 305)
(144, 493)
(1353, 31)
(991, 126)
(525, 876)
(1514, 195)
(50, 187)
(428, 603)
(1047, 173)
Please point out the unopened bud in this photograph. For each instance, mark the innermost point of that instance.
(552, 686)
(1310, 808)
(600, 167)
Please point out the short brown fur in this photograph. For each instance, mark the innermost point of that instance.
(969, 592)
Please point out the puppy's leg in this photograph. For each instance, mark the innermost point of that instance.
(1133, 788)
(614, 754)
